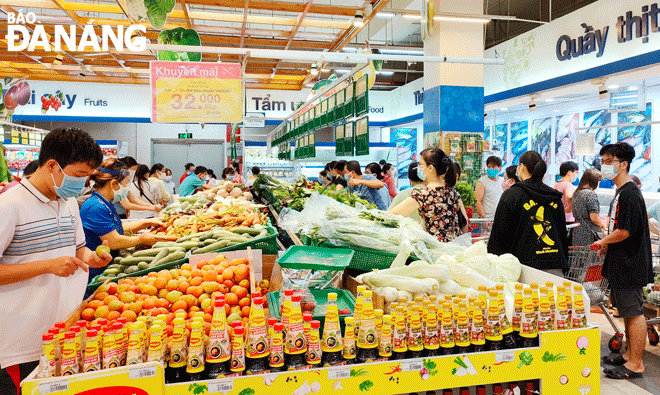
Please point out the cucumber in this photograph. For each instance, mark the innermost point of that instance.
(206, 235)
(212, 247)
(190, 237)
(150, 252)
(132, 269)
(172, 257)
(136, 259)
(245, 230)
(222, 233)
(263, 233)
(143, 265)
(238, 239)
(162, 254)
(188, 245)
(110, 271)
(208, 242)
(164, 244)
(116, 260)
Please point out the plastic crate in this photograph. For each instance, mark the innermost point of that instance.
(345, 300)
(170, 265)
(318, 258)
(267, 244)
(364, 259)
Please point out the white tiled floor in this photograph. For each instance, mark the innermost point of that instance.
(619, 387)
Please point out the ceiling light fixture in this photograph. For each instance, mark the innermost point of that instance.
(461, 19)
(613, 87)
(632, 88)
(504, 109)
(325, 70)
(342, 71)
(411, 16)
(385, 72)
(549, 100)
(315, 70)
(359, 18)
(385, 15)
(400, 52)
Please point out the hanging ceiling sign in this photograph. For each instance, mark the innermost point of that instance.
(185, 92)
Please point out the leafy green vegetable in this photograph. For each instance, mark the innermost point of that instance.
(136, 9)
(467, 194)
(431, 366)
(548, 357)
(526, 359)
(366, 385)
(358, 372)
(157, 11)
(179, 36)
(247, 391)
(197, 389)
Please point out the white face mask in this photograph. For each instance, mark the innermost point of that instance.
(167, 178)
(120, 194)
(131, 175)
(206, 178)
(161, 176)
(609, 171)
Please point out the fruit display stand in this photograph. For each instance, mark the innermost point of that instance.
(566, 362)
(142, 379)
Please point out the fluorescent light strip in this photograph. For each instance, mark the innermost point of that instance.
(385, 15)
(461, 19)
(385, 72)
(410, 16)
(400, 52)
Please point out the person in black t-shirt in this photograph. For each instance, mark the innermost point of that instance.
(339, 169)
(627, 250)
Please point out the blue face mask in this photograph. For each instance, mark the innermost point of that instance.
(420, 173)
(71, 186)
(120, 194)
(492, 173)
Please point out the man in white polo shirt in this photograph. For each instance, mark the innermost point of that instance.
(43, 258)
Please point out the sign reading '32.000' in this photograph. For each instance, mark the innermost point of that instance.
(187, 92)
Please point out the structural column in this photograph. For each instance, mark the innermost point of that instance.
(453, 92)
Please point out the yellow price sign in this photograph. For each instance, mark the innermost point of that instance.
(186, 92)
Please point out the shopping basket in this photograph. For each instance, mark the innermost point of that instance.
(586, 269)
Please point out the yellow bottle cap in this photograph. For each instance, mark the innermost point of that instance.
(387, 318)
(332, 296)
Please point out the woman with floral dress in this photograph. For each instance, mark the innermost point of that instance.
(438, 202)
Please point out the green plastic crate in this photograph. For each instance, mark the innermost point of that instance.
(308, 257)
(170, 265)
(364, 259)
(345, 300)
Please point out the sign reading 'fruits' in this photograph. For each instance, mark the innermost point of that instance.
(196, 92)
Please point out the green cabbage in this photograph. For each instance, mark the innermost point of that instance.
(179, 36)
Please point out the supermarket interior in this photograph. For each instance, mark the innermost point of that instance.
(379, 197)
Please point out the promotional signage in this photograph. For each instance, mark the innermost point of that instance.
(254, 120)
(185, 92)
(554, 54)
(185, 135)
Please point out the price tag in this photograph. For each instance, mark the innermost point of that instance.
(505, 356)
(142, 372)
(340, 372)
(221, 386)
(414, 365)
(51, 387)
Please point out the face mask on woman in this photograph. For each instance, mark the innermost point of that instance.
(420, 173)
(120, 194)
(167, 178)
(161, 176)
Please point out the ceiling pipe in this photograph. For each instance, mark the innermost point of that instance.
(314, 56)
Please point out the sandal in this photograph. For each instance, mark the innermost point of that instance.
(622, 372)
(614, 359)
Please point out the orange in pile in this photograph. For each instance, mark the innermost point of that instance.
(188, 289)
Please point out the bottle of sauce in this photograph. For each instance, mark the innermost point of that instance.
(493, 326)
(134, 353)
(69, 363)
(314, 345)
(529, 324)
(545, 317)
(551, 298)
(482, 300)
(508, 336)
(399, 334)
(47, 361)
(58, 350)
(349, 351)
(286, 309)
(108, 352)
(79, 351)
(218, 349)
(477, 338)
(569, 302)
(462, 330)
(431, 344)
(295, 346)
(276, 357)
(447, 330)
(378, 319)
(385, 338)
(367, 341)
(331, 342)
(561, 316)
(271, 322)
(124, 339)
(359, 304)
(517, 311)
(257, 349)
(92, 357)
(579, 317)
(155, 352)
(195, 363)
(535, 296)
(82, 324)
(307, 324)
(237, 351)
(176, 370)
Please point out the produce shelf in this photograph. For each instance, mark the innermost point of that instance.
(579, 372)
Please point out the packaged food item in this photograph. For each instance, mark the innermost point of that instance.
(92, 357)
(47, 361)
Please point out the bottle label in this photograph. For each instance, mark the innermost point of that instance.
(195, 363)
(219, 348)
(69, 362)
(579, 319)
(155, 348)
(545, 322)
(331, 341)
(314, 348)
(447, 336)
(477, 335)
(295, 339)
(517, 316)
(529, 325)
(178, 351)
(47, 361)
(506, 324)
(493, 328)
(367, 337)
(385, 343)
(415, 339)
(237, 355)
(349, 349)
(134, 355)
(399, 338)
(462, 334)
(257, 340)
(276, 358)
